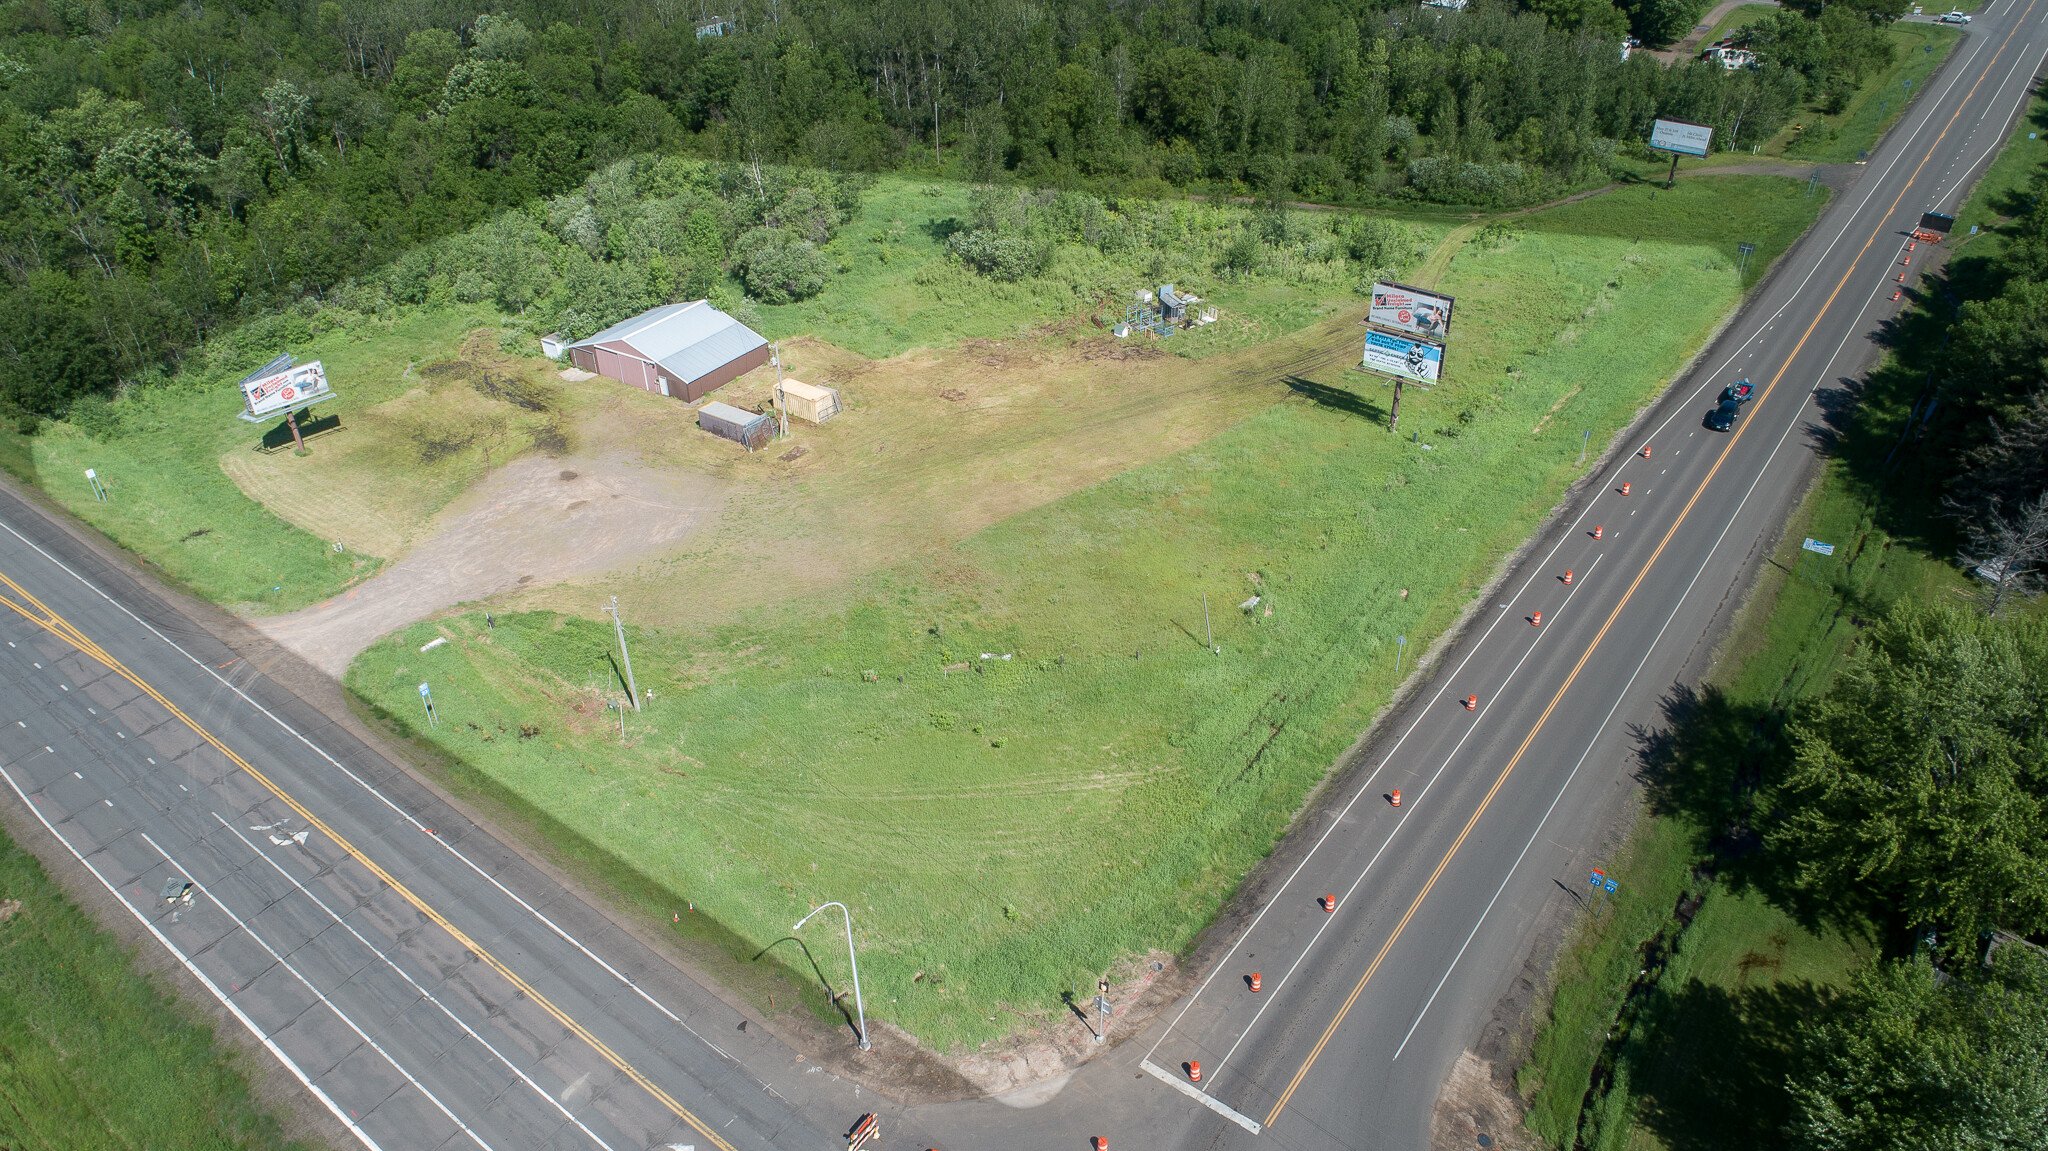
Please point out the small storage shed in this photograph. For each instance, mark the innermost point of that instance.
(750, 428)
(553, 345)
(807, 402)
(680, 350)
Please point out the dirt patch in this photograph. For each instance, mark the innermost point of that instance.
(1473, 1112)
(9, 908)
(1050, 1045)
(531, 522)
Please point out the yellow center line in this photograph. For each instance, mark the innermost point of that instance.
(65, 630)
(1371, 969)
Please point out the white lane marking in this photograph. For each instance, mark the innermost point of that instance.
(1733, 518)
(1202, 1097)
(386, 800)
(1406, 812)
(317, 993)
(403, 974)
(261, 1036)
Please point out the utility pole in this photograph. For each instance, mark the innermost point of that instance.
(620, 628)
(781, 409)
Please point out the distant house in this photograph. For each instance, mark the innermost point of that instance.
(681, 350)
(1731, 58)
(716, 26)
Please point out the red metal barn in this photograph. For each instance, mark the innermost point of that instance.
(680, 350)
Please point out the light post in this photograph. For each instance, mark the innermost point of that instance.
(860, 1010)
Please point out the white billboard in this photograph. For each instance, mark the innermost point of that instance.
(1680, 136)
(286, 389)
(1411, 310)
(1418, 360)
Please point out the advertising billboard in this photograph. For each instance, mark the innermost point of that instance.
(1410, 310)
(289, 388)
(1410, 359)
(1680, 136)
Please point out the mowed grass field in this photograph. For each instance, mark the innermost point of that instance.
(94, 1055)
(1015, 824)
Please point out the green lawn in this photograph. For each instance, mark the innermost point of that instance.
(93, 1054)
(170, 502)
(1019, 824)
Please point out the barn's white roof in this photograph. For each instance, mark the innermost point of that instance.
(689, 341)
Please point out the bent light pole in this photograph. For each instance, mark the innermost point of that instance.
(859, 1010)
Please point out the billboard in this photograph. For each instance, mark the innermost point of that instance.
(1410, 310)
(1680, 136)
(1410, 359)
(289, 388)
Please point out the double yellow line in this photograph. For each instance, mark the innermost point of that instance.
(1371, 969)
(39, 614)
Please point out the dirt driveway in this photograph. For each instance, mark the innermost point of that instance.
(534, 522)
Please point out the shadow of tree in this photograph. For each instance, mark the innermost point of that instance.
(1712, 1064)
(1337, 399)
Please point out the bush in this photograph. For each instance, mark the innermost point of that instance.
(778, 268)
(997, 256)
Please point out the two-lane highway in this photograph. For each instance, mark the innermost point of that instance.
(427, 986)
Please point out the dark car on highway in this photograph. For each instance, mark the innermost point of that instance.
(1723, 418)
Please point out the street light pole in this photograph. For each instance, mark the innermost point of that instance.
(860, 1010)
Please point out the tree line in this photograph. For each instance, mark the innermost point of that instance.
(166, 169)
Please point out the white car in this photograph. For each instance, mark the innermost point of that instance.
(1955, 18)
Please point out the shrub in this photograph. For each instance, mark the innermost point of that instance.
(778, 268)
(996, 255)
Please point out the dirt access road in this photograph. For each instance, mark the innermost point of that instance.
(538, 520)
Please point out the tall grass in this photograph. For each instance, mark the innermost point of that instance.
(93, 1054)
(1020, 823)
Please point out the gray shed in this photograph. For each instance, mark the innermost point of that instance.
(750, 428)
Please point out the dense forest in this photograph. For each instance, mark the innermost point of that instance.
(168, 168)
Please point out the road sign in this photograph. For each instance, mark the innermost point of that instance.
(1611, 885)
(1818, 548)
(1597, 878)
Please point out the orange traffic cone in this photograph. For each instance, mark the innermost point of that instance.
(1567, 579)
(1329, 903)
(1536, 619)
(1597, 529)
(1895, 293)
(1195, 1070)
(1100, 1143)
(1396, 797)
(1646, 451)
(1624, 487)
(1255, 981)
(1902, 277)
(1471, 703)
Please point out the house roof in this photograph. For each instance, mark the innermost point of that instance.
(689, 341)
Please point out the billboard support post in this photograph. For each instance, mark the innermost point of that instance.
(1394, 413)
(1671, 180)
(291, 420)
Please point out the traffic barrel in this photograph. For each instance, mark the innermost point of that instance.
(1536, 619)
(1099, 1142)
(1396, 797)
(1904, 260)
(1329, 903)
(1646, 451)
(1597, 530)
(1194, 1071)
(1255, 981)
(1471, 703)
(1895, 293)
(1902, 277)
(1909, 245)
(1624, 487)
(1567, 579)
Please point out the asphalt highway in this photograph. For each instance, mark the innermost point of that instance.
(431, 989)
(427, 986)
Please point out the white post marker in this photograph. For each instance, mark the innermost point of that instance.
(427, 701)
(1400, 646)
(99, 492)
(627, 656)
(860, 1010)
